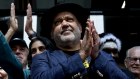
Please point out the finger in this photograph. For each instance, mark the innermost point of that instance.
(12, 10)
(87, 33)
(93, 27)
(89, 37)
(89, 25)
(29, 15)
(29, 11)
(96, 38)
(85, 36)
(94, 32)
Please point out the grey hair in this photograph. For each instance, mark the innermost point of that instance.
(130, 49)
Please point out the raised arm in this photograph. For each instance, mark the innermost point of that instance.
(28, 27)
(8, 61)
(13, 24)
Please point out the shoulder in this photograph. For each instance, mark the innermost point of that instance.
(128, 73)
(45, 56)
(105, 55)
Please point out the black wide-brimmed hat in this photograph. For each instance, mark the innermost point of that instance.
(80, 13)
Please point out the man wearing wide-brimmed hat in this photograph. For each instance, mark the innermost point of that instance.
(65, 24)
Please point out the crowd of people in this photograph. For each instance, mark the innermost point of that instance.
(70, 48)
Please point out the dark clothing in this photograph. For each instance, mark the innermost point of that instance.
(98, 75)
(128, 73)
(58, 65)
(8, 61)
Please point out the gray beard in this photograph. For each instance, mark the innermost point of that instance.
(67, 41)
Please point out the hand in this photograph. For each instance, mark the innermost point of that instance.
(13, 24)
(87, 42)
(13, 20)
(28, 26)
(3, 74)
(96, 41)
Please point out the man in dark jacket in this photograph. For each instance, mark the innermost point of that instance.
(65, 25)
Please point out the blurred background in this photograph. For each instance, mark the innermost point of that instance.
(120, 17)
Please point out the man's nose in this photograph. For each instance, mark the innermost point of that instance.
(17, 51)
(65, 24)
(65, 27)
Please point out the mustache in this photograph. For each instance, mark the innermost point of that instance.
(66, 30)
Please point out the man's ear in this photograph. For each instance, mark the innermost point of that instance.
(27, 50)
(125, 62)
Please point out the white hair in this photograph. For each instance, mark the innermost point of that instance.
(131, 49)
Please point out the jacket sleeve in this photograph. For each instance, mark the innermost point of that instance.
(50, 67)
(8, 61)
(107, 66)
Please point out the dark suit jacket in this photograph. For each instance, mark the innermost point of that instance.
(59, 65)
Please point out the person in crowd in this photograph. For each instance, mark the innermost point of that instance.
(132, 60)
(17, 45)
(21, 51)
(10, 67)
(38, 44)
(112, 45)
(76, 39)
(8, 62)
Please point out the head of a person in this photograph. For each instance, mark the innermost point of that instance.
(39, 45)
(20, 49)
(110, 44)
(67, 23)
(3, 74)
(132, 60)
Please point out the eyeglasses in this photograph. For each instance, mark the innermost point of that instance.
(133, 59)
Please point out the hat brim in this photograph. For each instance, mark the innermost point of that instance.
(17, 42)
